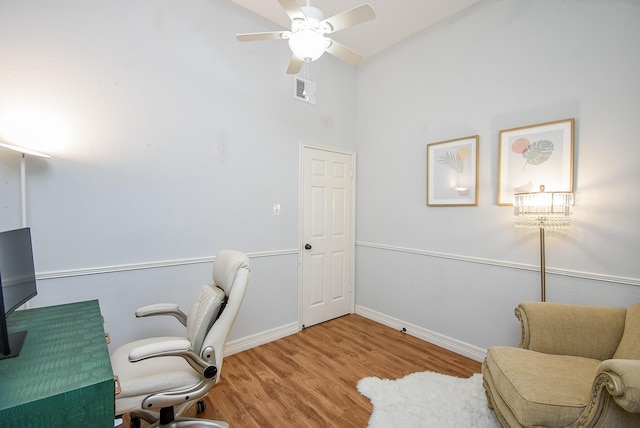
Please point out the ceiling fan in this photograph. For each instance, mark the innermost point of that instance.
(307, 38)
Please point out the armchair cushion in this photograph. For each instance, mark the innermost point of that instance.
(629, 347)
(553, 391)
(585, 331)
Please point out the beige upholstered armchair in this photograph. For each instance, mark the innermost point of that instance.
(577, 366)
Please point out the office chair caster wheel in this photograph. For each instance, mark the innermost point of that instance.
(201, 406)
(134, 423)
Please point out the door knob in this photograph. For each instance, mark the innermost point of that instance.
(307, 247)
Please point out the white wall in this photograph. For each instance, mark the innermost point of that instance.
(460, 271)
(170, 140)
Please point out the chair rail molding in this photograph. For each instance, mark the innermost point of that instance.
(505, 264)
(149, 265)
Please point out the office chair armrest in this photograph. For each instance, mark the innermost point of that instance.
(157, 349)
(174, 348)
(162, 309)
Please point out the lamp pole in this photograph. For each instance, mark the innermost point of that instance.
(23, 174)
(541, 210)
(543, 282)
(23, 188)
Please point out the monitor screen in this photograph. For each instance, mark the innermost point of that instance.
(17, 273)
(17, 283)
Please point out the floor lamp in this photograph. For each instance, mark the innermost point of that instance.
(543, 210)
(23, 174)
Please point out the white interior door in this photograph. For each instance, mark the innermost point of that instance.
(327, 234)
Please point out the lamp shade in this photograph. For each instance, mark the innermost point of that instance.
(24, 150)
(550, 210)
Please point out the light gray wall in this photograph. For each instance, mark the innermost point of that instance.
(460, 271)
(170, 140)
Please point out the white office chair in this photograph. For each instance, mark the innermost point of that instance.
(173, 373)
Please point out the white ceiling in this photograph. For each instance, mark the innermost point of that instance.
(395, 19)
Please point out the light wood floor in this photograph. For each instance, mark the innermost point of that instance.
(309, 379)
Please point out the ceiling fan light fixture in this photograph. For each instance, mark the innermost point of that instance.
(307, 39)
(308, 44)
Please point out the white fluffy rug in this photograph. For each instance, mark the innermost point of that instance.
(428, 399)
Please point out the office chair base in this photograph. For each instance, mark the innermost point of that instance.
(168, 420)
(191, 422)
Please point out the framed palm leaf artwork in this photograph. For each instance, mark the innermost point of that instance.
(535, 155)
(452, 172)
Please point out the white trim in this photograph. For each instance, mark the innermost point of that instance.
(245, 343)
(148, 265)
(506, 264)
(438, 339)
(457, 346)
(67, 273)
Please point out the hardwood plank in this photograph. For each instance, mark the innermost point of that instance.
(309, 379)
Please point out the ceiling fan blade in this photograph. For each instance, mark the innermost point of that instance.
(292, 9)
(271, 35)
(295, 65)
(344, 53)
(349, 18)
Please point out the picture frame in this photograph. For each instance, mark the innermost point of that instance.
(535, 155)
(452, 172)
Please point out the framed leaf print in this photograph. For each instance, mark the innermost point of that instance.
(452, 172)
(535, 155)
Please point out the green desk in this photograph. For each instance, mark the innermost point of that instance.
(63, 376)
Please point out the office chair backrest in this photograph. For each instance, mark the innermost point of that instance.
(202, 314)
(226, 267)
(231, 275)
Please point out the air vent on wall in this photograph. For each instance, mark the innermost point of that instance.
(304, 90)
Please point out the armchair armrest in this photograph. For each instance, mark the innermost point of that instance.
(162, 309)
(615, 379)
(556, 328)
(622, 380)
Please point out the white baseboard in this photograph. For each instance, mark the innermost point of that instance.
(459, 347)
(443, 341)
(239, 345)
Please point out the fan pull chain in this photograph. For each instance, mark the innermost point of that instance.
(305, 67)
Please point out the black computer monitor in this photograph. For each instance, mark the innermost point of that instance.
(18, 284)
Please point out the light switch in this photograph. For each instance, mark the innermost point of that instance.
(276, 209)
